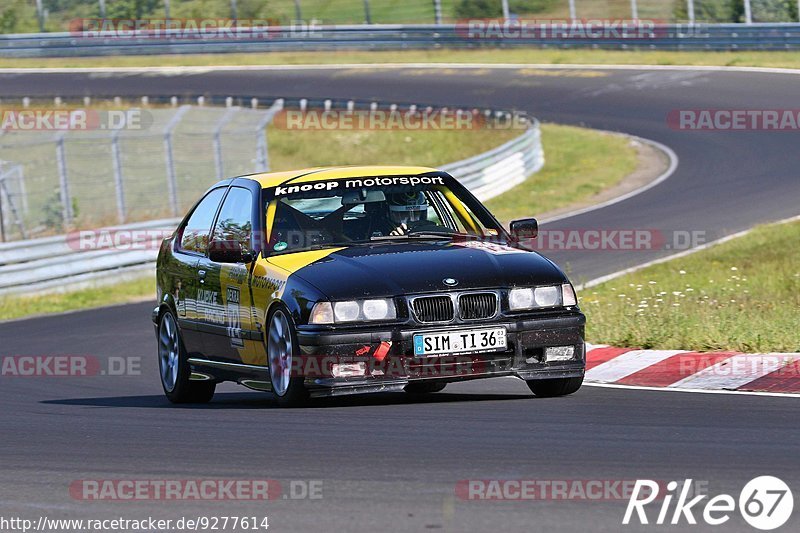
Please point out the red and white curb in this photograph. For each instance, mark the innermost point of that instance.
(695, 371)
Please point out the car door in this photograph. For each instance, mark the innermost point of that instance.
(231, 326)
(191, 245)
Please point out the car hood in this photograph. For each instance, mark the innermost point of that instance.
(398, 268)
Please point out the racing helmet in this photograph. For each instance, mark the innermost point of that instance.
(409, 206)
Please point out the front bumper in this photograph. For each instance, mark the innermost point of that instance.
(389, 364)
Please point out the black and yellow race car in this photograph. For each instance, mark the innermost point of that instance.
(345, 280)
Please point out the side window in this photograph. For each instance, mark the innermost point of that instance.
(194, 235)
(234, 221)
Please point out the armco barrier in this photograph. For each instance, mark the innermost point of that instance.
(763, 36)
(59, 262)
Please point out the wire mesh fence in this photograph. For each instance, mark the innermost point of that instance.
(98, 175)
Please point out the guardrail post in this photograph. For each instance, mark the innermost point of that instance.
(172, 179)
(218, 161)
(690, 10)
(573, 13)
(634, 10)
(748, 12)
(298, 13)
(437, 12)
(116, 160)
(63, 180)
(506, 12)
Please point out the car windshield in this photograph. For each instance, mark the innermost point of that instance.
(352, 211)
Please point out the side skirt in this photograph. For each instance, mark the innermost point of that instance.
(251, 376)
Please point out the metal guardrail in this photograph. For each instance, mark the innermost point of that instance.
(60, 262)
(762, 36)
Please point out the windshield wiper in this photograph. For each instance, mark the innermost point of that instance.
(420, 235)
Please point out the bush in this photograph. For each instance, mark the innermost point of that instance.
(711, 10)
(733, 10)
(494, 8)
(478, 9)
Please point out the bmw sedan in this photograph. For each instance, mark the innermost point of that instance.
(343, 280)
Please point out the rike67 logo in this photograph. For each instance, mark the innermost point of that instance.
(765, 503)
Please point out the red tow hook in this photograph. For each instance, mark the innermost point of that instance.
(382, 351)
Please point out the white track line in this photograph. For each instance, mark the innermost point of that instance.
(673, 165)
(619, 273)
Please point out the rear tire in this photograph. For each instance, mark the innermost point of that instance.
(549, 388)
(174, 368)
(424, 388)
(282, 344)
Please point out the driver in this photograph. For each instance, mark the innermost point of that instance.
(400, 214)
(407, 211)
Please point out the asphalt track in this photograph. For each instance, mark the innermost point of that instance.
(387, 462)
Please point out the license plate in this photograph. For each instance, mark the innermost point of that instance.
(460, 341)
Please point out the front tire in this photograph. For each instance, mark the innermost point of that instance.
(549, 388)
(173, 366)
(281, 347)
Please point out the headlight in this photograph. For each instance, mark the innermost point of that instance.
(346, 311)
(520, 299)
(376, 309)
(547, 296)
(353, 310)
(541, 297)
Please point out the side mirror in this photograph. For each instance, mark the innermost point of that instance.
(228, 252)
(524, 228)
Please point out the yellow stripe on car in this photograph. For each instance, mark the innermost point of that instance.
(311, 175)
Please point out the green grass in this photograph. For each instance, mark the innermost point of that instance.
(299, 149)
(741, 295)
(129, 291)
(489, 55)
(579, 163)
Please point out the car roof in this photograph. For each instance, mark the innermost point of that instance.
(311, 175)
